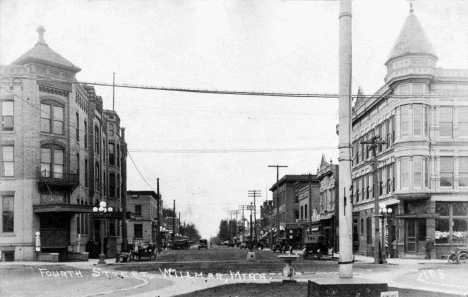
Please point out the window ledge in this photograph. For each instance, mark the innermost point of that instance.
(7, 234)
(8, 131)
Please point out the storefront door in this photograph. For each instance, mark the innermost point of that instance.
(415, 234)
(411, 236)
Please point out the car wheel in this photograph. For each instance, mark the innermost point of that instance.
(463, 258)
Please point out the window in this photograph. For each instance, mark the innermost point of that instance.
(463, 172)
(302, 212)
(97, 184)
(111, 154)
(49, 112)
(389, 180)
(8, 214)
(367, 188)
(111, 130)
(85, 134)
(138, 230)
(117, 193)
(45, 117)
(305, 211)
(446, 121)
(357, 189)
(417, 172)
(77, 127)
(296, 212)
(404, 169)
(8, 161)
(426, 172)
(417, 120)
(118, 155)
(405, 120)
(112, 185)
(52, 162)
(96, 140)
(7, 115)
(138, 210)
(362, 180)
(446, 171)
(380, 176)
(389, 134)
(362, 227)
(463, 121)
(86, 172)
(78, 163)
(369, 230)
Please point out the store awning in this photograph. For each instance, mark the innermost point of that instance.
(63, 208)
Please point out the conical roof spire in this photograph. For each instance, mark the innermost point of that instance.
(412, 39)
(40, 30)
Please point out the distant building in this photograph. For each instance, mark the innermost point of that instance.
(145, 206)
(287, 202)
(53, 140)
(327, 206)
(421, 113)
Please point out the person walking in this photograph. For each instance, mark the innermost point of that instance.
(429, 247)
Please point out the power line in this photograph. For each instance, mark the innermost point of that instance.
(211, 151)
(139, 171)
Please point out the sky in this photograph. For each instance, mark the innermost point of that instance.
(209, 150)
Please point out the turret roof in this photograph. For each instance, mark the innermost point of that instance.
(412, 40)
(42, 53)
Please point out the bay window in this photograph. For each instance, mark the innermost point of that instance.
(417, 172)
(405, 120)
(405, 171)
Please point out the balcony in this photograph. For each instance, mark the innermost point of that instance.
(48, 181)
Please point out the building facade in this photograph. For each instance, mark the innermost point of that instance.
(327, 206)
(53, 171)
(286, 209)
(422, 173)
(147, 209)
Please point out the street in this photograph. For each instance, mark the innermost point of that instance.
(184, 271)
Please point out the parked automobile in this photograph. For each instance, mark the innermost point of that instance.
(203, 244)
(182, 244)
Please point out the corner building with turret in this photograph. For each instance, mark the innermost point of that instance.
(421, 113)
(59, 156)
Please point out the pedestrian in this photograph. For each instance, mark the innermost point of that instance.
(429, 247)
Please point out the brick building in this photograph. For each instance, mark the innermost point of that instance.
(54, 152)
(421, 113)
(145, 206)
(287, 202)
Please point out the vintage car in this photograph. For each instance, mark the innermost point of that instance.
(181, 244)
(203, 244)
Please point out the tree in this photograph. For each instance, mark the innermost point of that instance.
(168, 213)
(227, 230)
(191, 231)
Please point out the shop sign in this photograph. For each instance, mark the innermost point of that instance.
(51, 199)
(418, 216)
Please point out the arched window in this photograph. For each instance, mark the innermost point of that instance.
(96, 140)
(97, 185)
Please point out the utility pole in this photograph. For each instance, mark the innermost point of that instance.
(158, 223)
(346, 259)
(251, 237)
(253, 194)
(243, 207)
(124, 191)
(113, 91)
(173, 224)
(309, 217)
(373, 143)
(277, 199)
(229, 224)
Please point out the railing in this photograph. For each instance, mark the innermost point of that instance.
(60, 179)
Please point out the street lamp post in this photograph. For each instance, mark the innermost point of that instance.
(384, 213)
(101, 210)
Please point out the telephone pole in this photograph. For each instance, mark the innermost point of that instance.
(346, 259)
(277, 198)
(173, 224)
(253, 194)
(373, 143)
